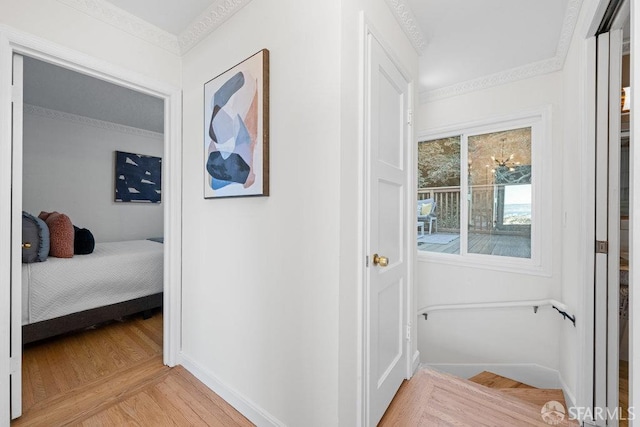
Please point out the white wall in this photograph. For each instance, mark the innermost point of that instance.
(260, 275)
(572, 194)
(507, 336)
(69, 168)
(67, 26)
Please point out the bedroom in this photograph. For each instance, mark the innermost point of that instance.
(73, 126)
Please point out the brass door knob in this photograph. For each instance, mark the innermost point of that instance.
(382, 261)
(26, 245)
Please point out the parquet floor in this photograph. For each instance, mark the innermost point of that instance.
(433, 398)
(112, 376)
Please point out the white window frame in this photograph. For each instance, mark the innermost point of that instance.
(539, 120)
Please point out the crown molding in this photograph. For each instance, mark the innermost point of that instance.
(568, 28)
(209, 20)
(497, 79)
(74, 118)
(556, 63)
(409, 24)
(127, 22)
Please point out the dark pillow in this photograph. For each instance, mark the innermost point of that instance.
(61, 234)
(35, 239)
(30, 241)
(83, 242)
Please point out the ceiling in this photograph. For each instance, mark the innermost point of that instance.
(464, 45)
(170, 15)
(467, 40)
(56, 88)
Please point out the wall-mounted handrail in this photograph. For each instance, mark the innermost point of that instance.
(560, 307)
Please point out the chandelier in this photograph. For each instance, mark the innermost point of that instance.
(503, 161)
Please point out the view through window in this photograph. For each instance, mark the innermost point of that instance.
(497, 201)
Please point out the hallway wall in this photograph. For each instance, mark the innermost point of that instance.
(505, 336)
(260, 274)
(71, 28)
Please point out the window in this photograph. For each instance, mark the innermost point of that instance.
(478, 194)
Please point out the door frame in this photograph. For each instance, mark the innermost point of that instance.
(586, 363)
(411, 353)
(607, 221)
(13, 41)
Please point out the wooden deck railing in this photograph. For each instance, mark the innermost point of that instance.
(481, 206)
(447, 206)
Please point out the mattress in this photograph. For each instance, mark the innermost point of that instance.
(114, 272)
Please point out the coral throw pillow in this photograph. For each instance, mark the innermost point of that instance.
(61, 234)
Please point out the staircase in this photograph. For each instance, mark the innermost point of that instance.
(434, 398)
(535, 396)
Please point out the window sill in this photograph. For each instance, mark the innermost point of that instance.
(487, 262)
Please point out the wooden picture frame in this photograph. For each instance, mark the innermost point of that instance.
(236, 130)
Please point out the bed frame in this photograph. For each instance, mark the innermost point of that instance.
(83, 319)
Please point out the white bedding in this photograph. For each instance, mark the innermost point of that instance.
(114, 272)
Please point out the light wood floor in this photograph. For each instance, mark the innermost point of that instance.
(113, 375)
(623, 390)
(432, 398)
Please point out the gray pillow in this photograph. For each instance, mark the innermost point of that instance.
(30, 240)
(35, 239)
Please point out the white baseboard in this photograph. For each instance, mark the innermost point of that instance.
(415, 363)
(569, 395)
(528, 373)
(241, 403)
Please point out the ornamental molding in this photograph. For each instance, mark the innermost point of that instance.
(81, 120)
(409, 23)
(208, 21)
(568, 28)
(127, 22)
(534, 69)
(492, 80)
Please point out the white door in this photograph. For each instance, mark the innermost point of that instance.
(16, 241)
(387, 148)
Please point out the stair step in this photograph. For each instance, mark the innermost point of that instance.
(436, 398)
(536, 396)
(491, 380)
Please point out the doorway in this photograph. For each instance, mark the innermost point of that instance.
(17, 43)
(613, 160)
(388, 198)
(83, 138)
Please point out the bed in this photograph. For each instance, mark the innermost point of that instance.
(117, 279)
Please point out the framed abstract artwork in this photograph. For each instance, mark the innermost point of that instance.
(138, 178)
(236, 130)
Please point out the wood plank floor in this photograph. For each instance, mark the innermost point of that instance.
(491, 380)
(433, 398)
(113, 375)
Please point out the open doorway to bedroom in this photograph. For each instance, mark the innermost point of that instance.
(92, 155)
